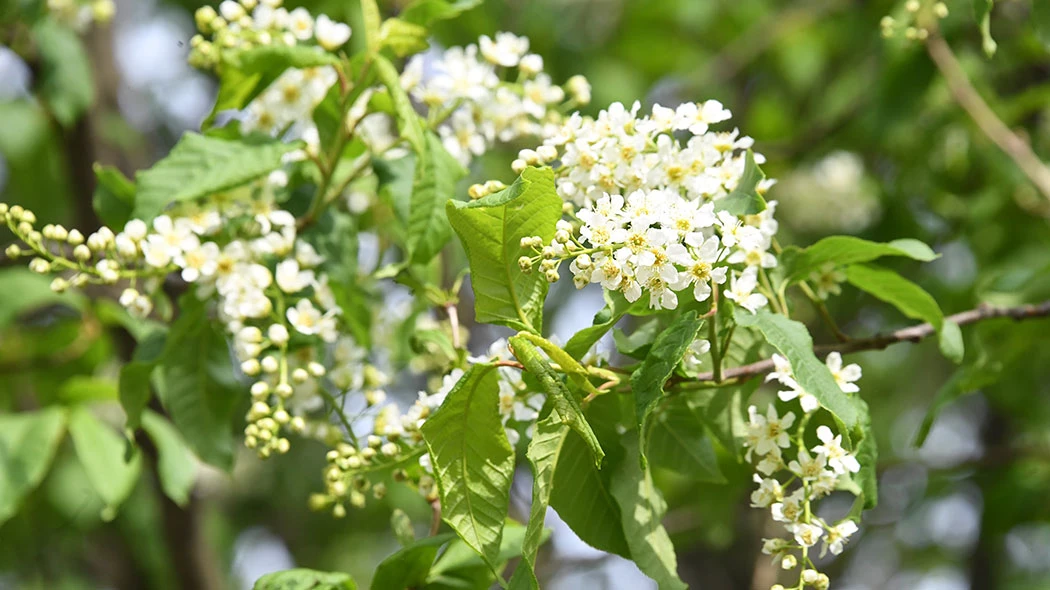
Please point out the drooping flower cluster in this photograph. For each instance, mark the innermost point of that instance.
(782, 458)
(649, 215)
(491, 92)
(245, 24)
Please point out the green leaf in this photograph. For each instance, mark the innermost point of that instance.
(197, 384)
(641, 509)
(408, 121)
(582, 341)
(199, 166)
(401, 525)
(793, 341)
(564, 402)
(65, 83)
(402, 37)
(24, 291)
(473, 461)
(679, 440)
(638, 343)
(983, 11)
(581, 495)
(647, 382)
(491, 229)
(867, 453)
(436, 175)
(176, 465)
(912, 300)
(114, 196)
(842, 250)
(304, 579)
(134, 387)
(744, 199)
(458, 559)
(409, 567)
(274, 59)
(101, 452)
(28, 442)
(85, 389)
(964, 381)
(426, 12)
(543, 453)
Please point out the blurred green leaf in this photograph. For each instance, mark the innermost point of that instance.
(84, 389)
(135, 386)
(402, 37)
(176, 465)
(25, 291)
(679, 441)
(101, 452)
(197, 384)
(114, 197)
(66, 84)
(426, 12)
(28, 442)
(963, 381)
(304, 579)
(199, 166)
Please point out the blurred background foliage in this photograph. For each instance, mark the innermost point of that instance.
(866, 139)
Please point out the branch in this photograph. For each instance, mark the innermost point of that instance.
(968, 98)
(881, 341)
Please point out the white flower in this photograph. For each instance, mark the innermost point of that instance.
(505, 51)
(301, 24)
(840, 460)
(807, 401)
(807, 535)
(808, 467)
(844, 376)
(837, 535)
(767, 434)
(304, 317)
(199, 262)
(290, 278)
(331, 34)
(741, 287)
(136, 229)
(768, 492)
(277, 334)
(790, 509)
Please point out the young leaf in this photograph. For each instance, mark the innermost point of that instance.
(491, 229)
(197, 384)
(426, 12)
(175, 463)
(114, 196)
(28, 442)
(543, 453)
(843, 250)
(408, 568)
(911, 299)
(304, 579)
(678, 440)
(101, 452)
(641, 509)
(199, 166)
(581, 495)
(569, 365)
(274, 59)
(744, 199)
(615, 308)
(402, 37)
(793, 341)
(564, 402)
(647, 382)
(473, 461)
(437, 173)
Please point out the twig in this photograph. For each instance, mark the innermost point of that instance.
(453, 320)
(968, 98)
(879, 342)
(435, 522)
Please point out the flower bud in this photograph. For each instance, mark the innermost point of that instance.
(59, 285)
(551, 276)
(260, 389)
(82, 253)
(269, 364)
(278, 334)
(283, 390)
(136, 229)
(525, 264)
(13, 251)
(300, 375)
(281, 416)
(547, 153)
(40, 266)
(476, 191)
(583, 262)
(75, 238)
(297, 424)
(251, 367)
(316, 369)
(283, 445)
(789, 562)
(518, 166)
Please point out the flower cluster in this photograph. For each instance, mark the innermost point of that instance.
(818, 471)
(911, 22)
(489, 92)
(242, 252)
(649, 219)
(833, 195)
(245, 24)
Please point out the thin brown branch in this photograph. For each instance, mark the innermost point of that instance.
(970, 100)
(912, 334)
